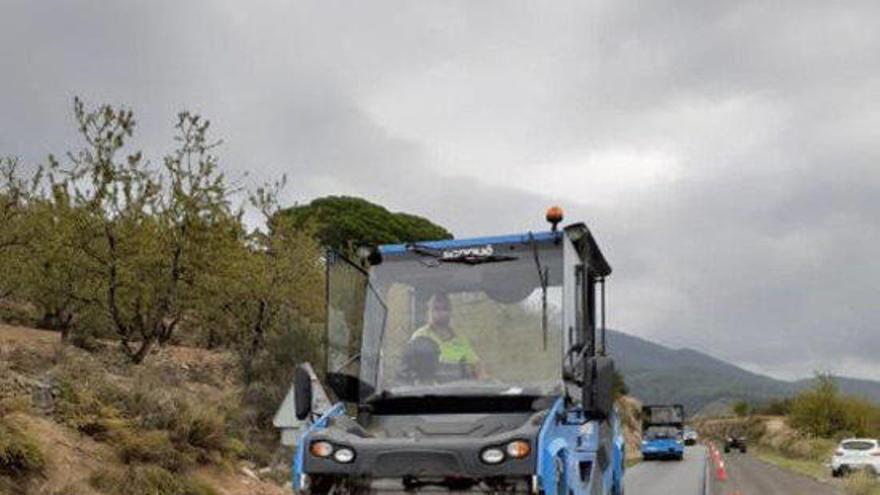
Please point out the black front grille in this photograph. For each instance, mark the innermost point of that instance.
(417, 463)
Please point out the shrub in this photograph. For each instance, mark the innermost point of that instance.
(824, 412)
(138, 446)
(202, 427)
(776, 407)
(148, 480)
(21, 403)
(742, 409)
(20, 454)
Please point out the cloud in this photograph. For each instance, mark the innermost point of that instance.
(723, 153)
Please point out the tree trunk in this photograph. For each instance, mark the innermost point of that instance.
(138, 356)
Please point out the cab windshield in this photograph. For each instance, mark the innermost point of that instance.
(479, 321)
(662, 433)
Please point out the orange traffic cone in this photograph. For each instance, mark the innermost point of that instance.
(722, 472)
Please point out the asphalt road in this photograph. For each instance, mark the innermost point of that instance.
(669, 477)
(747, 475)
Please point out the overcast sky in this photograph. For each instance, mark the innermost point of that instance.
(725, 154)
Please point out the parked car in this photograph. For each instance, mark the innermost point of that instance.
(735, 442)
(856, 453)
(690, 436)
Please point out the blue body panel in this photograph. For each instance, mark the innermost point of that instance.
(302, 443)
(568, 444)
(663, 447)
(389, 249)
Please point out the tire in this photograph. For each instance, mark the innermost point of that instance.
(726, 449)
(835, 473)
(743, 450)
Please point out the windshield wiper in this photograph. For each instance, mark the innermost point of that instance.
(543, 277)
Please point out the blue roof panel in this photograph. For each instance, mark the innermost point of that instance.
(387, 249)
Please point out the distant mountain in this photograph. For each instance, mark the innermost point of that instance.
(702, 383)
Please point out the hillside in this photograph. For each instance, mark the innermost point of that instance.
(78, 423)
(655, 373)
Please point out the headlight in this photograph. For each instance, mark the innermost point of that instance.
(518, 449)
(321, 448)
(343, 455)
(492, 455)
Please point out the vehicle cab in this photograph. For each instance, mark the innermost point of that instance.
(466, 366)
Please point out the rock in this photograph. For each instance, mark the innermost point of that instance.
(42, 398)
(249, 473)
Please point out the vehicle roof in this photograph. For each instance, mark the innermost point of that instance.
(387, 249)
(579, 234)
(860, 440)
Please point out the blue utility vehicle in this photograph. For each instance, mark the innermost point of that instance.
(662, 432)
(465, 366)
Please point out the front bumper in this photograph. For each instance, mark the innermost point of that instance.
(662, 451)
(398, 459)
(434, 456)
(409, 486)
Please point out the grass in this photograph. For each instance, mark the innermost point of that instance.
(858, 484)
(21, 456)
(812, 468)
(148, 480)
(146, 419)
(862, 483)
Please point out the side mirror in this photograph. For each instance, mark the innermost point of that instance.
(598, 389)
(302, 392)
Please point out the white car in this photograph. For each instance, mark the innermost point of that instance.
(856, 453)
(690, 436)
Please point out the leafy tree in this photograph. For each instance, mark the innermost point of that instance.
(818, 411)
(147, 233)
(742, 409)
(58, 279)
(345, 223)
(273, 289)
(823, 411)
(15, 193)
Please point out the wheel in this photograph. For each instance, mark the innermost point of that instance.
(726, 449)
(680, 457)
(835, 473)
(743, 449)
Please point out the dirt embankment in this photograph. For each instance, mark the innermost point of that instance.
(101, 426)
(630, 414)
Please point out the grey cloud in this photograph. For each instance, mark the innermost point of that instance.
(758, 248)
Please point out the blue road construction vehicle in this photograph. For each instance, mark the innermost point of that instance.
(464, 366)
(663, 432)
